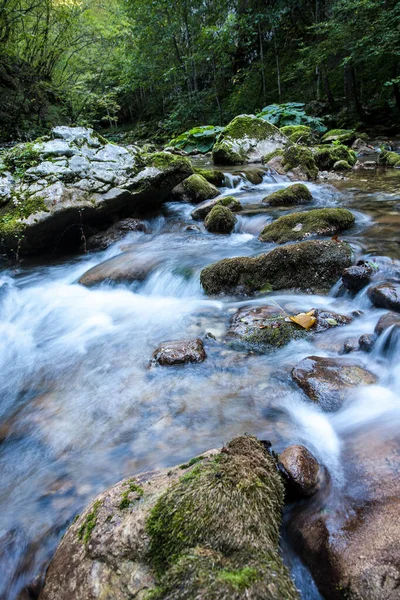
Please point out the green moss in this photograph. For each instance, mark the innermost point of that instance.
(230, 202)
(297, 226)
(165, 160)
(298, 134)
(21, 157)
(343, 136)
(220, 220)
(216, 535)
(241, 578)
(18, 208)
(85, 530)
(300, 156)
(297, 193)
(211, 175)
(133, 488)
(326, 157)
(192, 462)
(341, 165)
(389, 159)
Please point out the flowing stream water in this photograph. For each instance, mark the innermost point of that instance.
(81, 409)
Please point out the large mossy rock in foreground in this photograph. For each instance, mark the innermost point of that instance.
(64, 187)
(312, 266)
(297, 226)
(246, 139)
(208, 529)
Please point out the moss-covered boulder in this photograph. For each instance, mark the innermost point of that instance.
(300, 158)
(255, 176)
(297, 226)
(196, 140)
(295, 194)
(389, 159)
(220, 220)
(207, 529)
(194, 189)
(326, 157)
(307, 266)
(246, 139)
(73, 182)
(299, 134)
(202, 210)
(212, 175)
(341, 165)
(342, 136)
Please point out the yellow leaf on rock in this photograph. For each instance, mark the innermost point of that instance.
(305, 320)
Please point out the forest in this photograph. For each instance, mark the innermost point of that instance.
(159, 68)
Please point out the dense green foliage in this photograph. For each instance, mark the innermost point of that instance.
(169, 67)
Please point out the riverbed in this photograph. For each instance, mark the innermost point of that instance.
(81, 406)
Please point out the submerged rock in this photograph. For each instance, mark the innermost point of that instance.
(366, 342)
(297, 226)
(220, 220)
(246, 139)
(66, 186)
(358, 276)
(302, 470)
(326, 380)
(179, 352)
(266, 328)
(123, 268)
(297, 193)
(194, 189)
(208, 529)
(104, 239)
(308, 266)
(202, 210)
(385, 295)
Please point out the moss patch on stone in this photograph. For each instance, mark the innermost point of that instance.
(12, 214)
(326, 157)
(211, 175)
(20, 158)
(165, 160)
(85, 530)
(297, 193)
(216, 536)
(300, 156)
(389, 159)
(298, 134)
(297, 226)
(220, 220)
(133, 490)
(343, 136)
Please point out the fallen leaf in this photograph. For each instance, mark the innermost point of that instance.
(305, 320)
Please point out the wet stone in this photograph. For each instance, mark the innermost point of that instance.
(179, 352)
(367, 342)
(385, 295)
(358, 276)
(327, 380)
(101, 241)
(124, 268)
(301, 468)
(387, 320)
